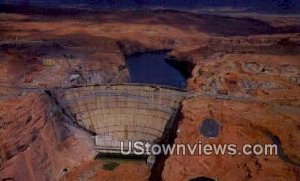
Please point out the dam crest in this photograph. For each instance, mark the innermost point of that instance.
(121, 112)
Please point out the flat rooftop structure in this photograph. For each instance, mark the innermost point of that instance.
(210, 128)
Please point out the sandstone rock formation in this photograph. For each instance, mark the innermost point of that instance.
(252, 62)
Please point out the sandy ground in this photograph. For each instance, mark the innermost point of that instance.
(255, 61)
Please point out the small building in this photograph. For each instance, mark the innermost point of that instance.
(48, 62)
(210, 128)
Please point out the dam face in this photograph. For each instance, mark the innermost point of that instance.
(124, 112)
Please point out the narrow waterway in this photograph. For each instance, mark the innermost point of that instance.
(152, 68)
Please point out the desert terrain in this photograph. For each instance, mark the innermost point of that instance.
(252, 62)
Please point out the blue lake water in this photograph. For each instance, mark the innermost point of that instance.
(152, 68)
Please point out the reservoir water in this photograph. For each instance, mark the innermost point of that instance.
(152, 68)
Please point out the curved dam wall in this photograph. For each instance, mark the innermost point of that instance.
(124, 112)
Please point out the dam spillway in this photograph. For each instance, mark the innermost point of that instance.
(122, 112)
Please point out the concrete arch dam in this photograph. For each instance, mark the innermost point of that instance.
(123, 112)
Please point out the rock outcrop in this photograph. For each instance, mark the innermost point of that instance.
(35, 144)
